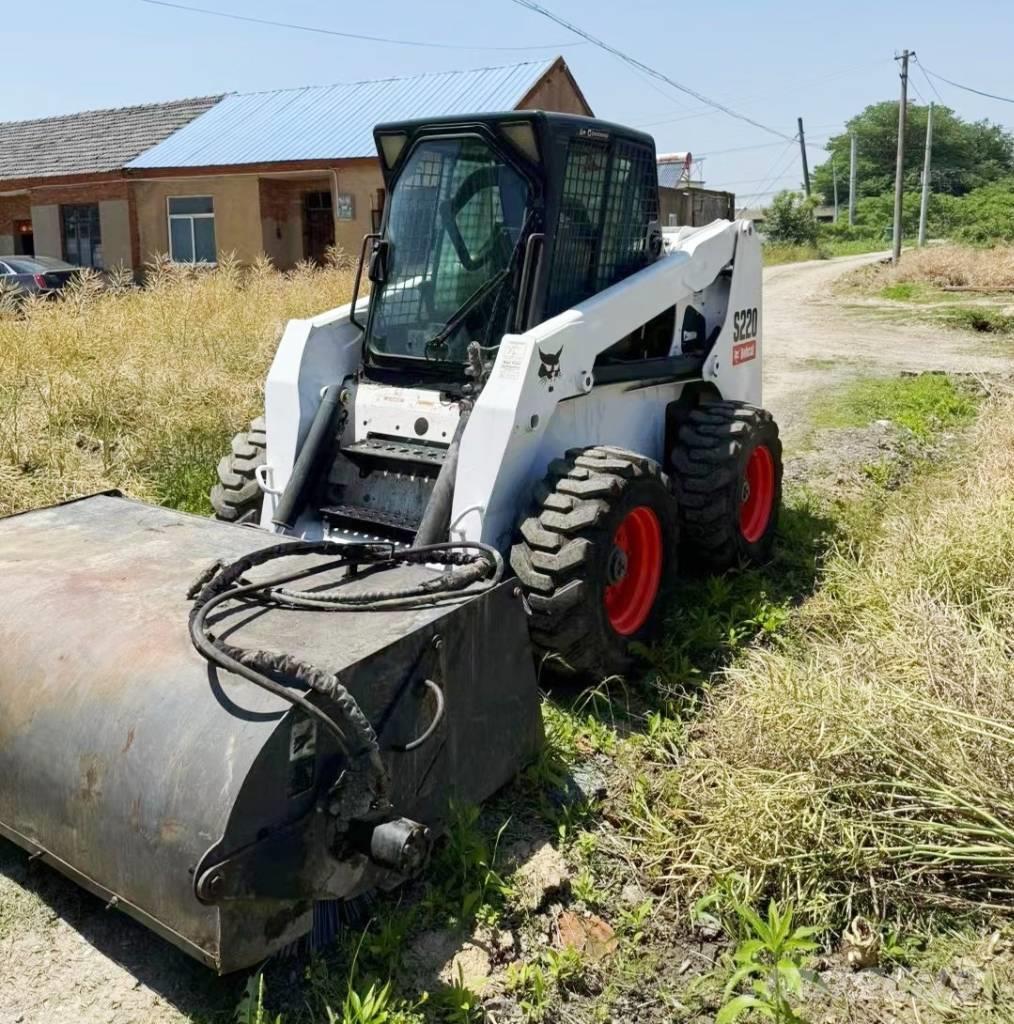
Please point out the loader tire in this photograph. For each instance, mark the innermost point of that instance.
(236, 498)
(727, 471)
(594, 558)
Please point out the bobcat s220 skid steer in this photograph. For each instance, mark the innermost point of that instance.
(493, 461)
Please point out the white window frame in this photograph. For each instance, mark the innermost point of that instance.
(170, 217)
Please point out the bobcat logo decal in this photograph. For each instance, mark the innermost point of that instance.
(549, 366)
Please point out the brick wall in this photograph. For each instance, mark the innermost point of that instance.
(13, 208)
(85, 192)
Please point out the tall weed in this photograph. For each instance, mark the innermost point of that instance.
(141, 388)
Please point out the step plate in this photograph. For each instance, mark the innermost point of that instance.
(400, 450)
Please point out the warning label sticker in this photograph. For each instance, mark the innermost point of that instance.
(512, 360)
(744, 352)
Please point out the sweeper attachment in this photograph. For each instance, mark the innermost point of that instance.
(490, 464)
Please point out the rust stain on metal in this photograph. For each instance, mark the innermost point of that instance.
(170, 830)
(91, 778)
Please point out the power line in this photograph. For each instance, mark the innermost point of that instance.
(351, 35)
(778, 170)
(812, 144)
(633, 62)
(753, 181)
(796, 83)
(929, 80)
(967, 88)
(737, 149)
(915, 89)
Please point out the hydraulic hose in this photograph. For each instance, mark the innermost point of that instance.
(284, 675)
(321, 432)
(436, 519)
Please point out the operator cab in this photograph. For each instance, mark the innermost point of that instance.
(494, 223)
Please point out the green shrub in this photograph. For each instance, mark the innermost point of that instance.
(790, 219)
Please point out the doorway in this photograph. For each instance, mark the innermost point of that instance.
(24, 238)
(318, 225)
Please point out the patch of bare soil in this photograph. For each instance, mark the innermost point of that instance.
(66, 959)
(814, 342)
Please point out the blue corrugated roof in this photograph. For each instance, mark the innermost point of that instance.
(333, 121)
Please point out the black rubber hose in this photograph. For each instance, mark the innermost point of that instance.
(353, 731)
(321, 432)
(436, 520)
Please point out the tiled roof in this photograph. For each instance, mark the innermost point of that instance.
(334, 121)
(96, 140)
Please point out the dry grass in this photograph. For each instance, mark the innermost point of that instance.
(867, 762)
(141, 389)
(954, 266)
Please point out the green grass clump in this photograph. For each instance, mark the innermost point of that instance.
(983, 319)
(865, 763)
(906, 291)
(777, 253)
(923, 404)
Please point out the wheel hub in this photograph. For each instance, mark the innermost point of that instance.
(618, 564)
(634, 570)
(757, 496)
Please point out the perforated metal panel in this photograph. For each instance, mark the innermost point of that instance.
(609, 200)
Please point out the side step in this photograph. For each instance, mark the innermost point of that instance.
(370, 523)
(378, 488)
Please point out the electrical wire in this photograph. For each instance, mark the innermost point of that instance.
(779, 169)
(915, 89)
(353, 35)
(647, 69)
(749, 181)
(795, 83)
(966, 88)
(929, 80)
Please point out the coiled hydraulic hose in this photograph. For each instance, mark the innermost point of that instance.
(475, 564)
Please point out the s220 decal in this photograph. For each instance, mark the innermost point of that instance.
(744, 333)
(744, 324)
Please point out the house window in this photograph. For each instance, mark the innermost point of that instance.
(82, 234)
(192, 229)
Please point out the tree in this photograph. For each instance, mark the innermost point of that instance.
(790, 219)
(966, 155)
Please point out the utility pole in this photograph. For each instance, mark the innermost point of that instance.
(924, 205)
(899, 171)
(834, 179)
(802, 149)
(852, 179)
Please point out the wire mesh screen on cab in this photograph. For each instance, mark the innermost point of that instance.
(609, 200)
(455, 219)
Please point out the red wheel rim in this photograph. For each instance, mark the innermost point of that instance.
(635, 570)
(758, 494)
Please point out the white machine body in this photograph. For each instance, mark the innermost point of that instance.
(541, 397)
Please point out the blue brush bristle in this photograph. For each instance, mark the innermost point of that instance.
(330, 919)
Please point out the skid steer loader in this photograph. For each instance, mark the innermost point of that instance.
(492, 461)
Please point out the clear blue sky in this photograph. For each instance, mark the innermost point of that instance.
(772, 61)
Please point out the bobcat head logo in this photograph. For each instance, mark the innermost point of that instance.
(549, 366)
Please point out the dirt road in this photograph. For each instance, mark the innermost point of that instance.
(814, 341)
(65, 959)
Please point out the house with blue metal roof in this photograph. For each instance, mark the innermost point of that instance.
(288, 173)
